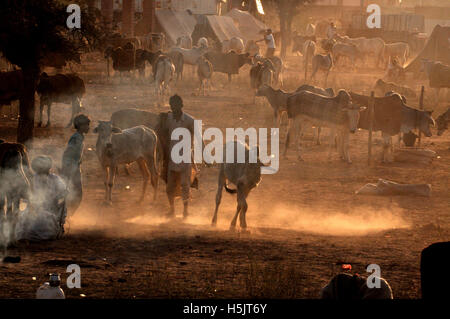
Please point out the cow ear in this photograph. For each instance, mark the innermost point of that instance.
(116, 130)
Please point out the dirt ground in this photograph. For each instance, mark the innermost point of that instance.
(303, 220)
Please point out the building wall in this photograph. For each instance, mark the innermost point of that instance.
(196, 6)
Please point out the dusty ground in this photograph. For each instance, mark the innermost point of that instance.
(303, 220)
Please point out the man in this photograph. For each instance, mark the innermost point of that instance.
(270, 43)
(47, 215)
(71, 162)
(179, 173)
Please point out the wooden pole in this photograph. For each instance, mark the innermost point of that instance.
(421, 107)
(371, 114)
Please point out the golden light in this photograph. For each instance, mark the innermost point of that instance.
(259, 7)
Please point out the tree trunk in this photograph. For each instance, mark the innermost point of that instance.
(26, 107)
(286, 16)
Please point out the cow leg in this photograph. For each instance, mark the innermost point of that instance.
(105, 181)
(233, 222)
(242, 195)
(345, 145)
(49, 111)
(331, 142)
(387, 142)
(41, 110)
(221, 183)
(112, 175)
(289, 132)
(151, 165)
(298, 129)
(146, 175)
(318, 135)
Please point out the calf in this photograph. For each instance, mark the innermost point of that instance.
(115, 146)
(442, 122)
(338, 113)
(349, 51)
(245, 175)
(321, 62)
(60, 88)
(204, 72)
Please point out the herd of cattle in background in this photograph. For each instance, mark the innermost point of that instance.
(343, 112)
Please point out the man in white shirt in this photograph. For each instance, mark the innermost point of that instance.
(270, 43)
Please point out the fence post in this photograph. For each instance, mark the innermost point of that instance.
(421, 108)
(371, 114)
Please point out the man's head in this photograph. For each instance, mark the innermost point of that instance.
(269, 31)
(41, 165)
(176, 105)
(81, 123)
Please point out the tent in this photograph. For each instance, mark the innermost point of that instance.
(175, 23)
(217, 28)
(248, 25)
(437, 48)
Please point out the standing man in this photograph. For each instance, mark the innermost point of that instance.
(71, 161)
(331, 31)
(179, 174)
(270, 43)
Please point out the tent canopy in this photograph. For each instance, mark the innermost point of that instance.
(175, 23)
(248, 25)
(437, 48)
(218, 28)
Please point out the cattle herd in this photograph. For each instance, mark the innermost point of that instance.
(133, 135)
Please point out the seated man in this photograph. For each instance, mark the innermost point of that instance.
(45, 217)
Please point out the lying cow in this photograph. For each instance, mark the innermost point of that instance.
(382, 87)
(245, 175)
(115, 146)
(392, 117)
(442, 122)
(338, 113)
(60, 88)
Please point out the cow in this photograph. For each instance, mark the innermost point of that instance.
(204, 73)
(392, 117)
(190, 56)
(115, 146)
(397, 49)
(438, 74)
(277, 99)
(299, 41)
(228, 63)
(178, 62)
(252, 48)
(11, 87)
(349, 51)
(14, 183)
(321, 62)
(372, 46)
(125, 60)
(60, 88)
(164, 72)
(184, 42)
(261, 74)
(246, 175)
(442, 122)
(318, 90)
(382, 87)
(277, 66)
(338, 113)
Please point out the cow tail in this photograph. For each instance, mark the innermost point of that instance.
(229, 190)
